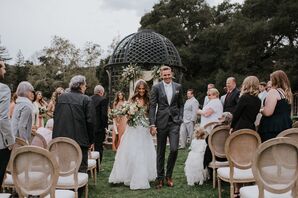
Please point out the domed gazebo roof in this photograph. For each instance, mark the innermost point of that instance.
(145, 48)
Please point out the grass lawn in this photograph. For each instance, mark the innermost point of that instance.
(180, 189)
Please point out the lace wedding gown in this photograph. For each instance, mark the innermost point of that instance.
(135, 160)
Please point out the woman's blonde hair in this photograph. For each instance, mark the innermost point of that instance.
(213, 91)
(199, 133)
(250, 86)
(280, 79)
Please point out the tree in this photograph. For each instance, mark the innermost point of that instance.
(3, 52)
(20, 60)
(91, 54)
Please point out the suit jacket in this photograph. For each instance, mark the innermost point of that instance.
(6, 135)
(160, 110)
(190, 110)
(101, 112)
(231, 101)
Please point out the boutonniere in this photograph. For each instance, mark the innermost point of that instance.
(177, 92)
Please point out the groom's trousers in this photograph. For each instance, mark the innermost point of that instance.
(171, 131)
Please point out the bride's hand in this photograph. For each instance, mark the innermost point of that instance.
(153, 131)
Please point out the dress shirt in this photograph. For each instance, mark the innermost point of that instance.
(169, 91)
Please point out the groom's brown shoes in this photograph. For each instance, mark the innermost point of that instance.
(170, 182)
(159, 183)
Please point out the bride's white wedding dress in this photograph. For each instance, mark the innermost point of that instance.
(135, 160)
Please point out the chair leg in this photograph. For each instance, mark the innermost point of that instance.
(214, 178)
(86, 191)
(219, 187)
(95, 175)
(231, 190)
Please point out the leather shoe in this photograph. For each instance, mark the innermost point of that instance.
(158, 183)
(170, 182)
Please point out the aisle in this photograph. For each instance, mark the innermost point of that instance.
(104, 190)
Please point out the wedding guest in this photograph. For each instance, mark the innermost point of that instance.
(262, 95)
(277, 109)
(39, 110)
(119, 123)
(194, 169)
(47, 131)
(189, 118)
(12, 105)
(213, 110)
(248, 105)
(232, 96)
(223, 97)
(100, 103)
(268, 86)
(22, 114)
(206, 99)
(74, 118)
(52, 103)
(6, 134)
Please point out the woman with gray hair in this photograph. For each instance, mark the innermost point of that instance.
(22, 115)
(74, 118)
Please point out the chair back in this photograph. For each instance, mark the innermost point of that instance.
(292, 133)
(275, 166)
(39, 140)
(208, 127)
(68, 155)
(240, 148)
(217, 140)
(19, 142)
(35, 172)
(295, 124)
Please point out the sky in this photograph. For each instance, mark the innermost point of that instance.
(29, 25)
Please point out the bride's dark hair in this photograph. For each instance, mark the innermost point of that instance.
(136, 92)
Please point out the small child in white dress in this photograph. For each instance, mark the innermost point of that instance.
(194, 168)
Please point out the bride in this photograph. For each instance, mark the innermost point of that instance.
(135, 160)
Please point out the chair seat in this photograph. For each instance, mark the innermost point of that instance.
(239, 174)
(63, 194)
(5, 195)
(94, 155)
(91, 163)
(218, 164)
(253, 191)
(68, 181)
(8, 180)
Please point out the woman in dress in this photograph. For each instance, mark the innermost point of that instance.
(52, 103)
(248, 106)
(277, 109)
(39, 110)
(135, 160)
(119, 122)
(213, 109)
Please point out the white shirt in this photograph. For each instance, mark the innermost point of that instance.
(217, 107)
(169, 91)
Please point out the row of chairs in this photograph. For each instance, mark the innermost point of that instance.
(67, 154)
(239, 148)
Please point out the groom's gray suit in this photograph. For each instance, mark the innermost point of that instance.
(167, 118)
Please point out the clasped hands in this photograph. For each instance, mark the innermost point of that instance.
(153, 130)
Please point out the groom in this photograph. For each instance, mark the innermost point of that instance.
(165, 116)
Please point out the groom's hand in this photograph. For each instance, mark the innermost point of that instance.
(153, 130)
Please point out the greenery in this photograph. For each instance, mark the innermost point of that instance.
(180, 189)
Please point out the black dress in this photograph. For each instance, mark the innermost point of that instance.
(271, 126)
(246, 112)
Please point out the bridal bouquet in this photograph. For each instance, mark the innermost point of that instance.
(136, 114)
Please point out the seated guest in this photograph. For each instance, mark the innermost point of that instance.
(47, 131)
(213, 110)
(248, 106)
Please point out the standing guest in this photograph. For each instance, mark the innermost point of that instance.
(206, 99)
(248, 105)
(262, 95)
(119, 122)
(73, 118)
(22, 114)
(52, 103)
(189, 118)
(12, 105)
(213, 110)
(101, 118)
(194, 169)
(277, 109)
(232, 96)
(39, 110)
(223, 97)
(268, 86)
(165, 116)
(6, 135)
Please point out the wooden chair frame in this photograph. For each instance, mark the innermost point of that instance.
(42, 139)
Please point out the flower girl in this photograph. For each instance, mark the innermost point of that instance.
(194, 169)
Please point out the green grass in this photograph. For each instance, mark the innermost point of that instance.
(180, 189)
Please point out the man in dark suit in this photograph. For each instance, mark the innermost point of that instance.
(232, 96)
(101, 118)
(165, 116)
